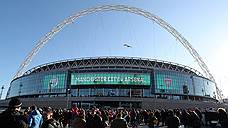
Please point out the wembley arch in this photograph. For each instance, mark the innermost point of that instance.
(123, 8)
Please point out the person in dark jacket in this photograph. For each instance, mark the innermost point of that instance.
(157, 114)
(94, 120)
(199, 113)
(185, 118)
(195, 121)
(152, 120)
(11, 117)
(223, 118)
(163, 116)
(133, 115)
(119, 122)
(79, 121)
(49, 122)
(172, 120)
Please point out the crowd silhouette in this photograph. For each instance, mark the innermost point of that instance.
(47, 117)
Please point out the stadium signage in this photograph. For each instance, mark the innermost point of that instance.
(110, 78)
(54, 81)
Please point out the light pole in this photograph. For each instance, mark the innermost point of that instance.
(68, 97)
(203, 92)
(1, 91)
(214, 95)
(20, 86)
(186, 90)
(49, 87)
(162, 91)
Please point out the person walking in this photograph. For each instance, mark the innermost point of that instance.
(94, 120)
(222, 117)
(11, 117)
(172, 120)
(49, 122)
(195, 120)
(35, 119)
(79, 121)
(119, 122)
(152, 120)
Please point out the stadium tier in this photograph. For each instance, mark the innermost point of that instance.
(112, 82)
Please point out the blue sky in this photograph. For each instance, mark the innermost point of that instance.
(203, 23)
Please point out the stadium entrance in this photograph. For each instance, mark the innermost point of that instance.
(107, 104)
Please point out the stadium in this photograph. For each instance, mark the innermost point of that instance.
(115, 81)
(112, 82)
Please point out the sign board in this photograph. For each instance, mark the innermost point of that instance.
(110, 78)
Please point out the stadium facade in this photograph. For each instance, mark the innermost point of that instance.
(113, 82)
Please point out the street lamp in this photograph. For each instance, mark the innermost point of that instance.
(162, 91)
(203, 92)
(214, 95)
(20, 86)
(49, 87)
(1, 91)
(186, 90)
(68, 97)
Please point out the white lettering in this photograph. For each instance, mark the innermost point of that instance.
(112, 78)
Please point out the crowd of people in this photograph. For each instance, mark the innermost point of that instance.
(47, 117)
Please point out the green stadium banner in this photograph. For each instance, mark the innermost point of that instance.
(167, 83)
(54, 81)
(110, 78)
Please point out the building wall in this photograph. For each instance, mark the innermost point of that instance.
(157, 83)
(146, 103)
(39, 84)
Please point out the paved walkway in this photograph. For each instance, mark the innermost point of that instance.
(160, 127)
(182, 126)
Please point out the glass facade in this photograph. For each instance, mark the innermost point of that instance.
(110, 92)
(38, 84)
(204, 87)
(173, 84)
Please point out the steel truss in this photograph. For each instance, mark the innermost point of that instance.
(124, 8)
(113, 63)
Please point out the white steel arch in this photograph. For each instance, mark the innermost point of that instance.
(124, 8)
